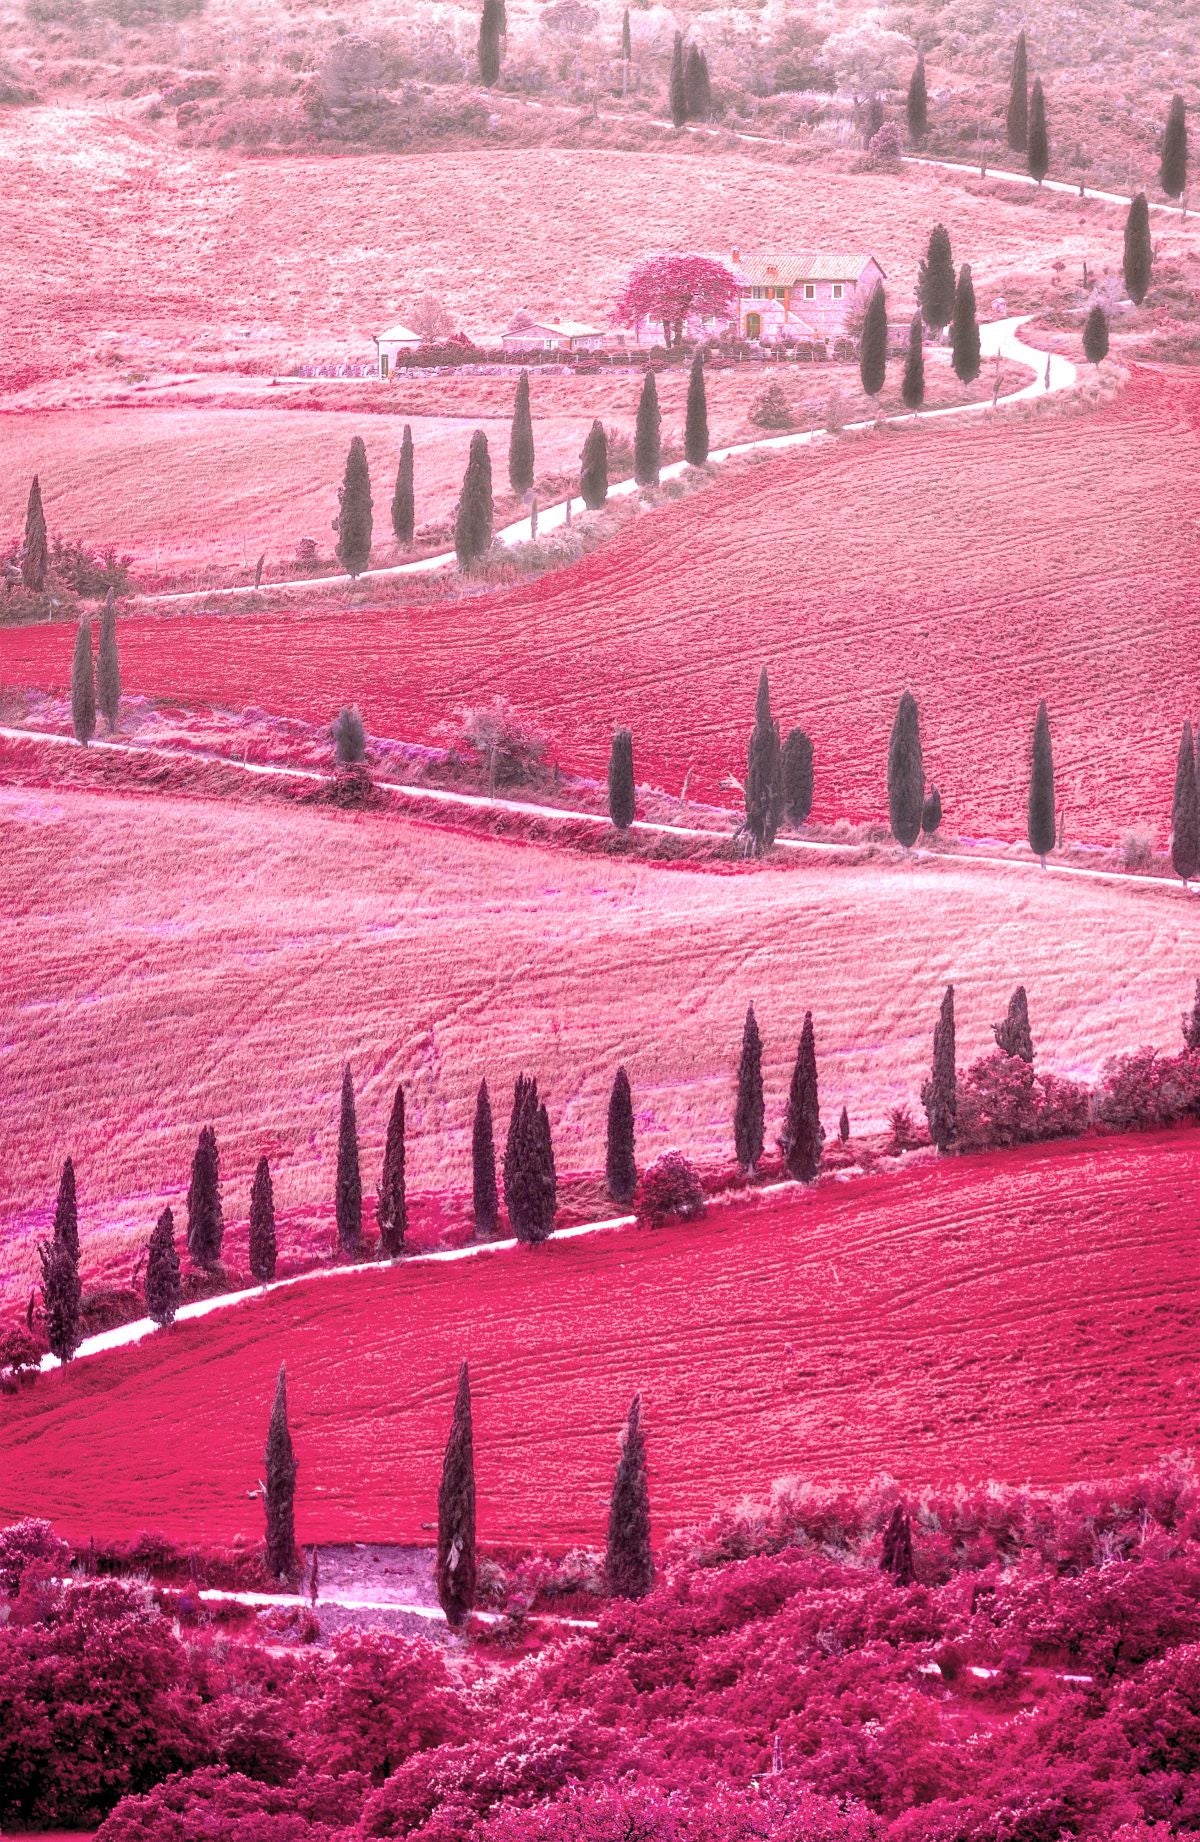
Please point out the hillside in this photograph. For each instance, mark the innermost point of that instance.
(1030, 1315)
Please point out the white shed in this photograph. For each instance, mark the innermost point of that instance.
(396, 339)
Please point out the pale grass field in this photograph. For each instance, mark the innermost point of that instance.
(174, 962)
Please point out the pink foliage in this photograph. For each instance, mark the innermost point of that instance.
(1146, 1089)
(670, 289)
(1004, 1100)
(669, 1191)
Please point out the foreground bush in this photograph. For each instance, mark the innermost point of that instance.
(669, 1191)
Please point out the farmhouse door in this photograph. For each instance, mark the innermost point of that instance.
(753, 325)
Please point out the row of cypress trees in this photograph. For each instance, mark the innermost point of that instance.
(95, 679)
(628, 1561)
(689, 89)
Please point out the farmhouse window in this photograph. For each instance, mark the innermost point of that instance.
(837, 290)
(757, 293)
(810, 291)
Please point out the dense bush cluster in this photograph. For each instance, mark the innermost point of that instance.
(1040, 1678)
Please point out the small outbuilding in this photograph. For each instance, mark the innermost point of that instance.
(396, 339)
(524, 333)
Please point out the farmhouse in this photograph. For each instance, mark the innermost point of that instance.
(799, 294)
(526, 334)
(395, 339)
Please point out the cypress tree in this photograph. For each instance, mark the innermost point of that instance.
(697, 88)
(916, 106)
(530, 1182)
(108, 666)
(844, 1126)
(797, 776)
(491, 25)
(931, 812)
(628, 1560)
(163, 1287)
(263, 1247)
(35, 551)
(621, 799)
(593, 467)
(473, 518)
(206, 1226)
(279, 1488)
(764, 773)
(1139, 254)
(1185, 811)
(906, 773)
(1038, 159)
(83, 685)
(1018, 98)
(647, 439)
(348, 1195)
(66, 1211)
(912, 387)
(748, 1112)
(1173, 168)
(456, 1511)
(620, 1167)
(353, 522)
(695, 429)
(392, 1210)
(939, 1095)
(1191, 1022)
(1013, 1035)
(678, 88)
(404, 514)
(1095, 335)
(897, 1555)
(964, 331)
(935, 280)
(626, 40)
(484, 1199)
(520, 441)
(802, 1135)
(872, 351)
(1041, 787)
(62, 1299)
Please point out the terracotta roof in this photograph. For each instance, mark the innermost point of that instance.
(778, 268)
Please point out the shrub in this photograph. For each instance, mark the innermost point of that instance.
(886, 146)
(670, 1190)
(20, 1351)
(1146, 1089)
(349, 737)
(225, 1806)
(509, 744)
(89, 572)
(771, 409)
(26, 1544)
(1003, 1101)
(903, 1131)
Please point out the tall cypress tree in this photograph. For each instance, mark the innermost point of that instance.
(626, 39)
(628, 1558)
(520, 441)
(593, 467)
(896, 1557)
(206, 1224)
(1173, 168)
(83, 685)
(264, 1250)
(622, 804)
(353, 522)
(906, 773)
(473, 518)
(872, 351)
(748, 1110)
(1095, 335)
(620, 1167)
(35, 551)
(1038, 158)
(163, 1286)
(677, 95)
(964, 330)
(1041, 787)
(802, 1135)
(916, 106)
(1139, 252)
(695, 428)
(108, 666)
(456, 1511)
(530, 1181)
(62, 1299)
(1018, 98)
(1013, 1035)
(1185, 811)
(348, 1194)
(935, 281)
(484, 1198)
(404, 512)
(764, 773)
(695, 84)
(797, 776)
(647, 437)
(1191, 1022)
(491, 26)
(392, 1208)
(66, 1211)
(279, 1489)
(912, 387)
(939, 1095)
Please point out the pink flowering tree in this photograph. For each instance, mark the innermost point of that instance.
(671, 288)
